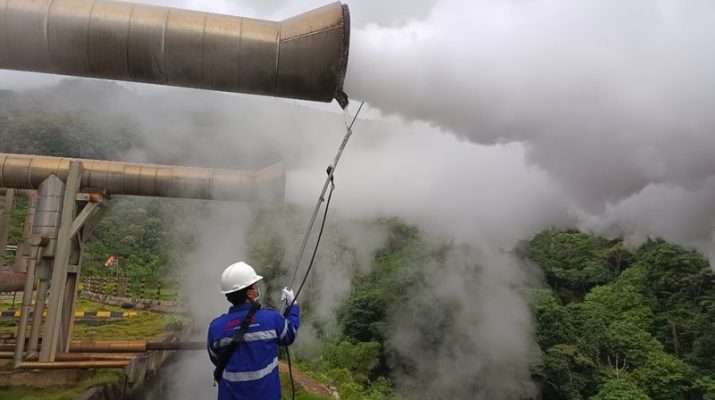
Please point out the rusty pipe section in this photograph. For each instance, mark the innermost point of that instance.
(265, 185)
(130, 346)
(108, 346)
(4, 355)
(11, 281)
(73, 364)
(304, 57)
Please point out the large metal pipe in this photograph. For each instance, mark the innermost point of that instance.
(304, 57)
(265, 185)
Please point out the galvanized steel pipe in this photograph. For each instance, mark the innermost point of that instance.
(265, 185)
(304, 57)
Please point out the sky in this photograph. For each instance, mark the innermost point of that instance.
(487, 121)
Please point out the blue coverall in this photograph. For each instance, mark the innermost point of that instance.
(252, 371)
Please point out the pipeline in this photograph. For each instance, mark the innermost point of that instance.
(120, 346)
(4, 355)
(303, 57)
(264, 185)
(133, 346)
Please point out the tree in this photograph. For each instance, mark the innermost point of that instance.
(572, 262)
(620, 389)
(663, 377)
(568, 373)
(554, 323)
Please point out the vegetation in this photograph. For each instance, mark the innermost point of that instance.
(620, 324)
(101, 377)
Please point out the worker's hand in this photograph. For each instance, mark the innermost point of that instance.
(287, 296)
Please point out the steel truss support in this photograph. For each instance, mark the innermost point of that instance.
(5, 221)
(66, 262)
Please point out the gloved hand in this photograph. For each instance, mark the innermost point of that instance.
(287, 296)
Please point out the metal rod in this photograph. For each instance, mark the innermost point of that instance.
(122, 346)
(26, 304)
(134, 346)
(73, 364)
(5, 218)
(37, 317)
(176, 346)
(329, 179)
(77, 356)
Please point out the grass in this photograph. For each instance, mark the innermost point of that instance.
(101, 377)
(145, 325)
(300, 393)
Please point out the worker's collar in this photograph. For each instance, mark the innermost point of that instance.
(240, 307)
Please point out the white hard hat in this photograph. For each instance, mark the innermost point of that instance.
(238, 276)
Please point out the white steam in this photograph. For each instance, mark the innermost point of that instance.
(608, 97)
(466, 334)
(488, 121)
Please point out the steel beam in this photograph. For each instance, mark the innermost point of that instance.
(26, 304)
(5, 218)
(63, 283)
(45, 224)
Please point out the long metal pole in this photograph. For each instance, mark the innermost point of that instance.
(5, 222)
(37, 317)
(26, 304)
(331, 171)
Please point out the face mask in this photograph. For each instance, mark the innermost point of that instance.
(257, 293)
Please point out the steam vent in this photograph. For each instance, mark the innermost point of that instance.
(304, 57)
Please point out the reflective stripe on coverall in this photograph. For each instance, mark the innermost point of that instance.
(252, 371)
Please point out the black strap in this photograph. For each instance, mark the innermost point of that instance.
(235, 341)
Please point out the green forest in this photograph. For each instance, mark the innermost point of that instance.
(611, 321)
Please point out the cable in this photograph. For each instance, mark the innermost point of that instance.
(315, 250)
(328, 181)
(290, 373)
(305, 278)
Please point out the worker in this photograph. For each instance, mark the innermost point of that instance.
(251, 371)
